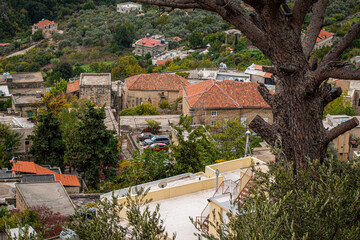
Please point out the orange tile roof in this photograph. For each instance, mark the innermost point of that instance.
(323, 35)
(268, 75)
(44, 23)
(30, 167)
(163, 62)
(149, 42)
(4, 44)
(73, 86)
(177, 38)
(213, 94)
(156, 82)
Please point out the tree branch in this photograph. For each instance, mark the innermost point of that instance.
(332, 95)
(267, 96)
(300, 9)
(340, 47)
(315, 26)
(269, 69)
(184, 4)
(334, 72)
(341, 128)
(263, 129)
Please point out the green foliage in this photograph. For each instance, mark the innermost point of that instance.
(59, 87)
(317, 202)
(124, 34)
(183, 74)
(164, 104)
(9, 141)
(64, 69)
(147, 167)
(92, 147)
(230, 138)
(4, 105)
(126, 67)
(37, 35)
(141, 109)
(48, 146)
(104, 223)
(194, 150)
(64, 43)
(196, 40)
(339, 106)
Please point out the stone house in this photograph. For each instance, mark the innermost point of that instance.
(22, 126)
(96, 87)
(127, 7)
(152, 88)
(73, 87)
(324, 39)
(150, 45)
(25, 89)
(257, 75)
(353, 92)
(210, 101)
(48, 28)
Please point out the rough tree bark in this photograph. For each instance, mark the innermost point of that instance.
(302, 90)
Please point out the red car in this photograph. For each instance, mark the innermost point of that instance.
(145, 136)
(157, 147)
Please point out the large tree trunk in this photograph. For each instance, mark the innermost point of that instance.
(301, 89)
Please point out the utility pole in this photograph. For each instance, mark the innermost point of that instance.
(247, 142)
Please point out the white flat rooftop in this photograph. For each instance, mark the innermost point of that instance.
(176, 212)
(95, 79)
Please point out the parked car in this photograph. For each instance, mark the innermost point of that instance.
(144, 136)
(157, 147)
(157, 139)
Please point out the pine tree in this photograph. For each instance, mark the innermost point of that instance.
(48, 146)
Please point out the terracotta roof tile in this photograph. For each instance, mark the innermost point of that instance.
(156, 82)
(44, 23)
(177, 38)
(30, 167)
(149, 42)
(224, 94)
(73, 86)
(163, 62)
(323, 35)
(4, 44)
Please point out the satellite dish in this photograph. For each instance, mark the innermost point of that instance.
(162, 184)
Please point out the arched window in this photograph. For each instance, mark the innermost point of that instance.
(137, 101)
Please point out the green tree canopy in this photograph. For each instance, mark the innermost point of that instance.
(230, 138)
(9, 141)
(194, 149)
(126, 67)
(93, 147)
(48, 146)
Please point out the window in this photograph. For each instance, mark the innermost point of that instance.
(213, 123)
(97, 100)
(29, 114)
(92, 99)
(140, 100)
(137, 101)
(269, 81)
(149, 100)
(203, 113)
(214, 113)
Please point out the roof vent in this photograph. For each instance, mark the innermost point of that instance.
(162, 184)
(162, 41)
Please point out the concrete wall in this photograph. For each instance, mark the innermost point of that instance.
(72, 190)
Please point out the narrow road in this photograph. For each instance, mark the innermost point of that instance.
(22, 52)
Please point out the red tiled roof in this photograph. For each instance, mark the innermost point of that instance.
(323, 35)
(224, 94)
(268, 75)
(258, 67)
(73, 86)
(156, 82)
(177, 38)
(30, 167)
(148, 41)
(162, 62)
(44, 23)
(4, 44)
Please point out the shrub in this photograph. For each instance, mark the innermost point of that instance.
(163, 104)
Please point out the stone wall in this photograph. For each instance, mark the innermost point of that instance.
(100, 95)
(143, 50)
(135, 97)
(246, 115)
(20, 202)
